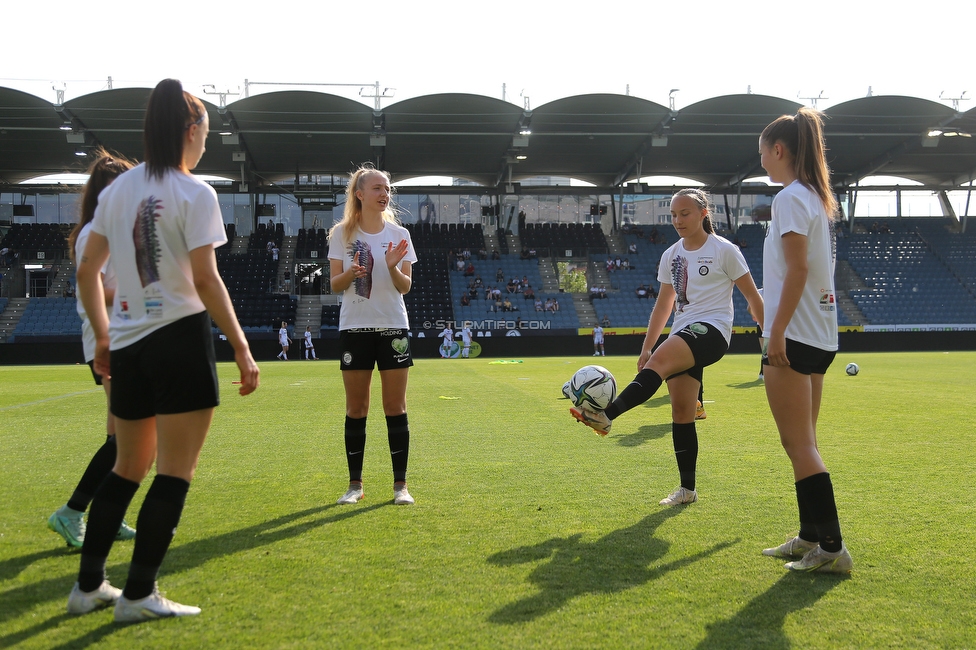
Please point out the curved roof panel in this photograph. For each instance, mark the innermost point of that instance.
(602, 138)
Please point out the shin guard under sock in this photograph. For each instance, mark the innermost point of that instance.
(685, 439)
(641, 389)
(108, 508)
(355, 445)
(158, 519)
(818, 493)
(98, 468)
(398, 433)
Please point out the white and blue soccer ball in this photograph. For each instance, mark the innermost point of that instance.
(852, 369)
(593, 387)
(566, 391)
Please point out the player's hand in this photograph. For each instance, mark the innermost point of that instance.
(249, 371)
(642, 360)
(776, 350)
(358, 271)
(102, 363)
(395, 254)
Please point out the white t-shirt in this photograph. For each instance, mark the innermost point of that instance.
(109, 281)
(598, 334)
(308, 339)
(152, 225)
(798, 209)
(448, 335)
(703, 281)
(466, 336)
(282, 336)
(371, 301)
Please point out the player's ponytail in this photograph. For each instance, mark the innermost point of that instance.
(802, 135)
(170, 111)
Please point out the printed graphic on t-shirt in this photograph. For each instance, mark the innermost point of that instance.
(679, 280)
(362, 286)
(146, 241)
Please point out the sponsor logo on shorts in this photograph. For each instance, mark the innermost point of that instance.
(346, 358)
(400, 347)
(696, 329)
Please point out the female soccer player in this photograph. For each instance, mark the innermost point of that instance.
(800, 327)
(284, 340)
(160, 225)
(696, 275)
(309, 346)
(69, 520)
(370, 261)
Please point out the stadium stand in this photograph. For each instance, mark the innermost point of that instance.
(48, 317)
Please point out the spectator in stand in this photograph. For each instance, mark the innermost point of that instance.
(555, 305)
(538, 304)
(529, 293)
(495, 255)
(606, 320)
(626, 264)
(482, 254)
(465, 300)
(632, 249)
(477, 282)
(642, 292)
(469, 270)
(500, 275)
(459, 265)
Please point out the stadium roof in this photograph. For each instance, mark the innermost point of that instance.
(602, 139)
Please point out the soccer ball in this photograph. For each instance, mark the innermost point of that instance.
(852, 369)
(593, 387)
(567, 392)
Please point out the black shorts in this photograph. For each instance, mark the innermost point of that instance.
(806, 359)
(173, 370)
(98, 377)
(708, 346)
(361, 348)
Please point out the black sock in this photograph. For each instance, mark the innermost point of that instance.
(808, 529)
(108, 508)
(355, 445)
(818, 493)
(158, 518)
(641, 389)
(98, 468)
(398, 433)
(685, 438)
(701, 393)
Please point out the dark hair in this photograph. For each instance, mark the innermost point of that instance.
(105, 169)
(802, 135)
(169, 112)
(700, 197)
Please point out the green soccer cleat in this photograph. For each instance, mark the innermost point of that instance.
(69, 524)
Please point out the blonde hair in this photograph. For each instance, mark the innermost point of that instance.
(353, 213)
(802, 135)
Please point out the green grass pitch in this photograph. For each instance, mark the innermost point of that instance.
(528, 531)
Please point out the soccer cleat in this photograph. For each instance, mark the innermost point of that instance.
(151, 607)
(596, 420)
(700, 412)
(820, 560)
(401, 497)
(126, 532)
(679, 496)
(69, 524)
(81, 602)
(354, 495)
(795, 547)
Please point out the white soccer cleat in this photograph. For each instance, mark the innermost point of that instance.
(820, 560)
(354, 495)
(795, 547)
(151, 607)
(82, 602)
(679, 497)
(401, 497)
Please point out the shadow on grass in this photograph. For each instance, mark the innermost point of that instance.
(618, 561)
(17, 601)
(13, 567)
(760, 623)
(747, 384)
(646, 433)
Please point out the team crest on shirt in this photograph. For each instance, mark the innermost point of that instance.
(703, 270)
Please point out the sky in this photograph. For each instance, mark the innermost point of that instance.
(704, 49)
